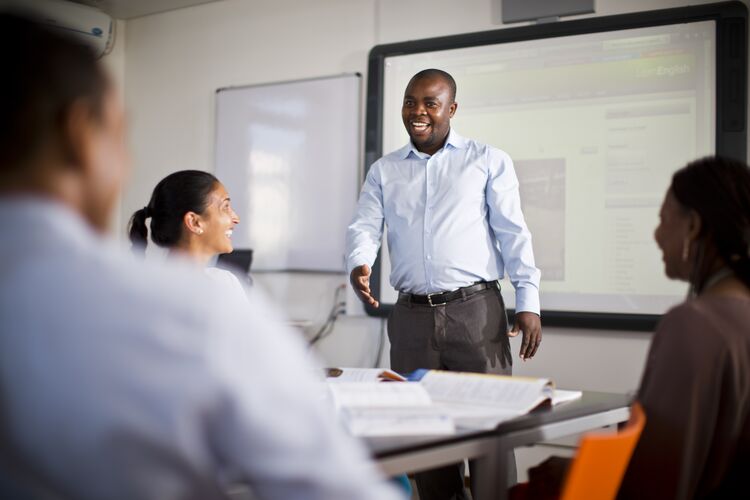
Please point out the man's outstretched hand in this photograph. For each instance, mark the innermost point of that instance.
(531, 326)
(360, 280)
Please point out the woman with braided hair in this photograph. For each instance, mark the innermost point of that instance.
(696, 385)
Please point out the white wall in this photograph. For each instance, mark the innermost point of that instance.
(115, 64)
(176, 60)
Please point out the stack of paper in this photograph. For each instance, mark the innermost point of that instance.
(378, 409)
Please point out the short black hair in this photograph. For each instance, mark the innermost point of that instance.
(718, 190)
(439, 73)
(175, 195)
(44, 73)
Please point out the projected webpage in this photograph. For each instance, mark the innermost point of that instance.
(596, 124)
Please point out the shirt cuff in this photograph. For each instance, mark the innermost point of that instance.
(527, 300)
(356, 261)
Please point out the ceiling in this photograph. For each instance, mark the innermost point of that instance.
(128, 9)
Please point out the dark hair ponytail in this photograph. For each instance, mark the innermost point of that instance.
(718, 190)
(175, 195)
(138, 232)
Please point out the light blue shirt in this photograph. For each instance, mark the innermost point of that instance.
(453, 218)
(122, 379)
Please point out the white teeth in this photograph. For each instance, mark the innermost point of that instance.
(419, 125)
(229, 233)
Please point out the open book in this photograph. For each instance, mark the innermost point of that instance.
(362, 375)
(378, 409)
(435, 401)
(482, 401)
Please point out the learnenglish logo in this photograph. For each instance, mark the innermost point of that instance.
(676, 69)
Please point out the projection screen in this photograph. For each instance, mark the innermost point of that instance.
(596, 123)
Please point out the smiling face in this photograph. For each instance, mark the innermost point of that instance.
(677, 228)
(427, 111)
(217, 222)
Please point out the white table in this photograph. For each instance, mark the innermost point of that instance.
(490, 449)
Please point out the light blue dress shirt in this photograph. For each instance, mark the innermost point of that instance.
(452, 218)
(122, 379)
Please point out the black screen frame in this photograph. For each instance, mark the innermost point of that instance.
(731, 107)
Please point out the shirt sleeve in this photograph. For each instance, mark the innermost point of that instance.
(272, 427)
(365, 233)
(509, 227)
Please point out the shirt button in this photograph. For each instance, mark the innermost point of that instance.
(429, 257)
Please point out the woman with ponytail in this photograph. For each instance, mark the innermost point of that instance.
(191, 215)
(696, 385)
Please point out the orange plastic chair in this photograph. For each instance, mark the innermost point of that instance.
(600, 462)
(602, 459)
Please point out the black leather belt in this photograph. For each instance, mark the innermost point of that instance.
(441, 298)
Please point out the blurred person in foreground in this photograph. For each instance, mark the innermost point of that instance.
(696, 385)
(120, 380)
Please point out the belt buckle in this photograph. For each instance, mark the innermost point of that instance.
(429, 299)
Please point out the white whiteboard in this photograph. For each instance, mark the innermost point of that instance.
(289, 155)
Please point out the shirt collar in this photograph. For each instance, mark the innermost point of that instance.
(454, 140)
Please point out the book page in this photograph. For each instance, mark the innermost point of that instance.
(561, 396)
(414, 421)
(378, 409)
(515, 394)
(472, 416)
(362, 375)
(377, 394)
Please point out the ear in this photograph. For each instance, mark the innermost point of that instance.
(452, 109)
(694, 225)
(77, 136)
(193, 222)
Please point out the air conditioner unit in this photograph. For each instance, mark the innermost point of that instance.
(81, 21)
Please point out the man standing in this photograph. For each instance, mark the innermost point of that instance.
(455, 225)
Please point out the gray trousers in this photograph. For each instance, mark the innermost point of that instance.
(467, 334)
